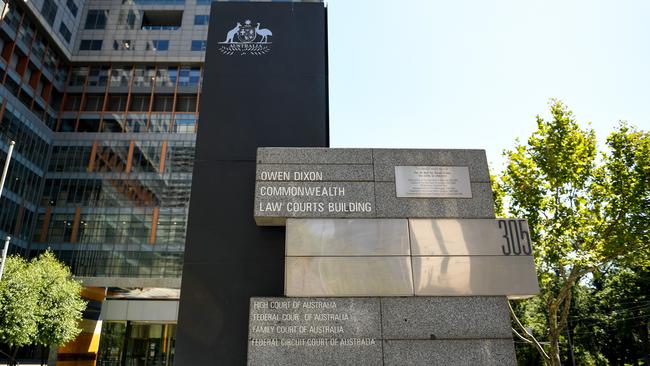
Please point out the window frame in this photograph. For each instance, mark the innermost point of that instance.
(100, 17)
(93, 44)
(202, 45)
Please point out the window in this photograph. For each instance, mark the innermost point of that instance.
(120, 338)
(166, 76)
(189, 76)
(162, 19)
(203, 2)
(72, 102)
(184, 123)
(65, 32)
(127, 19)
(72, 7)
(93, 102)
(98, 76)
(90, 45)
(121, 76)
(139, 103)
(186, 103)
(49, 10)
(125, 44)
(116, 102)
(78, 75)
(96, 19)
(201, 19)
(163, 103)
(158, 45)
(144, 76)
(130, 19)
(198, 45)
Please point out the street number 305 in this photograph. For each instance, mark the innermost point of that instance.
(516, 236)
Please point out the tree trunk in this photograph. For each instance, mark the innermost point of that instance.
(645, 341)
(554, 337)
(44, 355)
(13, 357)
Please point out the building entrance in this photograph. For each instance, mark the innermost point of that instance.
(136, 344)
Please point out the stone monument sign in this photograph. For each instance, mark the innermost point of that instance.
(392, 257)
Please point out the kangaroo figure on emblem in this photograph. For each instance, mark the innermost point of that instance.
(265, 33)
(231, 33)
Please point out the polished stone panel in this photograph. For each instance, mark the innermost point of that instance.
(348, 276)
(439, 237)
(456, 317)
(476, 275)
(315, 355)
(386, 159)
(292, 155)
(467, 352)
(479, 206)
(379, 331)
(320, 172)
(347, 237)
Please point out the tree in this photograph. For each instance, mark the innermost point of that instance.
(18, 304)
(618, 326)
(585, 210)
(60, 301)
(40, 303)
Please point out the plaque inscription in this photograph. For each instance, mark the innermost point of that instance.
(314, 331)
(432, 182)
(313, 322)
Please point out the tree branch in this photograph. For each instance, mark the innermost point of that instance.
(521, 337)
(530, 337)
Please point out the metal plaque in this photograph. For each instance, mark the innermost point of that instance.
(433, 182)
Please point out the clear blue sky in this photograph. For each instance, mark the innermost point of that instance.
(473, 74)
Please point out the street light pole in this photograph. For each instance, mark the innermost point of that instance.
(2, 185)
(6, 168)
(4, 255)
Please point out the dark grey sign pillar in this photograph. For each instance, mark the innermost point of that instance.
(264, 85)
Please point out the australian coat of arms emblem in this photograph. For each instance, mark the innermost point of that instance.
(246, 39)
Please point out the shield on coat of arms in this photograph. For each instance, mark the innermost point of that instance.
(246, 34)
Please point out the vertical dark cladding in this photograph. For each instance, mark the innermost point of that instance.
(274, 99)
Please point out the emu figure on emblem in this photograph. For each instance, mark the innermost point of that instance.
(264, 33)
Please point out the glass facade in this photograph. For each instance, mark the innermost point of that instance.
(105, 126)
(102, 100)
(102, 167)
(136, 344)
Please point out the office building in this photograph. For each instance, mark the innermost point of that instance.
(101, 97)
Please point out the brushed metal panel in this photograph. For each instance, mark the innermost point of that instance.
(348, 276)
(477, 275)
(433, 181)
(347, 237)
(469, 237)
